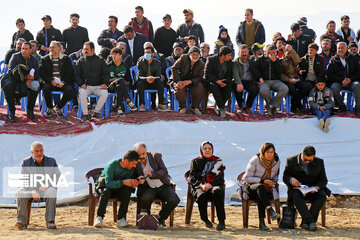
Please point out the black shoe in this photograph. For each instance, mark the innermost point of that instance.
(220, 226)
(97, 116)
(161, 223)
(312, 226)
(49, 113)
(207, 223)
(304, 226)
(269, 110)
(58, 112)
(247, 110)
(357, 111)
(273, 110)
(263, 227)
(274, 215)
(85, 118)
(31, 115)
(11, 116)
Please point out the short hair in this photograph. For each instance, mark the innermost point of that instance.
(131, 155)
(104, 52)
(326, 40)
(151, 48)
(192, 37)
(19, 20)
(36, 144)
(249, 10)
(116, 50)
(121, 43)
(330, 22)
(57, 43)
(128, 29)
(225, 50)
(309, 151)
(138, 145)
(140, 8)
(243, 46)
(206, 44)
(345, 17)
(341, 43)
(74, 15)
(21, 39)
(270, 47)
(313, 46)
(114, 17)
(27, 43)
(91, 44)
(33, 41)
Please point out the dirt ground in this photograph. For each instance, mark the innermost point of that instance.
(341, 223)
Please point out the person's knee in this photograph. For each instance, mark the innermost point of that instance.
(174, 201)
(34, 85)
(336, 87)
(146, 199)
(50, 193)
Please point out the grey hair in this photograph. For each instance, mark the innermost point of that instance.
(121, 43)
(36, 144)
(148, 43)
(206, 44)
(344, 43)
(57, 43)
(138, 145)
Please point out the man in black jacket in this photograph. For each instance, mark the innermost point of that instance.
(190, 28)
(267, 69)
(165, 37)
(218, 77)
(22, 33)
(306, 169)
(298, 40)
(46, 35)
(92, 76)
(74, 36)
(344, 73)
(57, 72)
(134, 42)
(108, 37)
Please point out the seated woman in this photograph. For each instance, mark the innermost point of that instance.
(207, 182)
(261, 176)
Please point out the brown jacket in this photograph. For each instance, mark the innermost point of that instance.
(290, 66)
(181, 70)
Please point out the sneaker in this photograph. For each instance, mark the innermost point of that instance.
(120, 113)
(163, 108)
(20, 225)
(85, 118)
(11, 117)
(131, 106)
(50, 225)
(142, 108)
(321, 124)
(273, 110)
(97, 116)
(99, 220)
(222, 113)
(220, 226)
(122, 223)
(207, 223)
(196, 111)
(48, 112)
(183, 110)
(161, 223)
(312, 226)
(326, 125)
(269, 110)
(58, 112)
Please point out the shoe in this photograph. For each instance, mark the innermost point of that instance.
(11, 117)
(163, 108)
(48, 113)
(50, 225)
(274, 215)
(97, 116)
(58, 112)
(99, 220)
(183, 110)
(161, 222)
(247, 110)
(273, 110)
(216, 109)
(196, 111)
(120, 113)
(142, 108)
(304, 226)
(207, 223)
(20, 225)
(122, 223)
(75, 106)
(85, 118)
(326, 125)
(30, 115)
(222, 113)
(312, 226)
(321, 124)
(262, 225)
(269, 110)
(220, 226)
(131, 106)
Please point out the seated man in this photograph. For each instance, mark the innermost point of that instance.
(158, 183)
(186, 76)
(117, 181)
(332, 36)
(22, 79)
(306, 169)
(344, 73)
(92, 75)
(11, 51)
(149, 77)
(257, 50)
(190, 43)
(243, 79)
(57, 72)
(267, 70)
(326, 52)
(36, 164)
(34, 50)
(204, 51)
(176, 54)
(218, 77)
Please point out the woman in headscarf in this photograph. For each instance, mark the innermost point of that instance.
(261, 176)
(207, 182)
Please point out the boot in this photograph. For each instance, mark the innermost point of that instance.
(274, 215)
(262, 225)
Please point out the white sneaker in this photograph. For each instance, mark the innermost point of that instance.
(183, 110)
(326, 125)
(196, 111)
(122, 223)
(321, 124)
(98, 222)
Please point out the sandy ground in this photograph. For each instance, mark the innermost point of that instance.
(341, 223)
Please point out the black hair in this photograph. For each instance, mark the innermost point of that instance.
(128, 29)
(131, 156)
(91, 44)
(20, 20)
(152, 49)
(116, 50)
(140, 8)
(114, 17)
(225, 51)
(74, 15)
(309, 151)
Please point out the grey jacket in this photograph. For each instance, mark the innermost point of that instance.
(327, 98)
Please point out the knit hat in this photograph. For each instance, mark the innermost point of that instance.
(194, 49)
(302, 21)
(294, 27)
(188, 11)
(222, 29)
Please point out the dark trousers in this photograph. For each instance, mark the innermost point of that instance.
(221, 94)
(197, 93)
(217, 195)
(123, 193)
(317, 200)
(252, 88)
(66, 89)
(121, 92)
(166, 193)
(143, 85)
(353, 86)
(258, 192)
(9, 87)
(303, 87)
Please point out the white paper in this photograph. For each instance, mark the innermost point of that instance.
(58, 81)
(32, 72)
(304, 189)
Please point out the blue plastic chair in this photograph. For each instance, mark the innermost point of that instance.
(350, 99)
(245, 96)
(287, 103)
(68, 105)
(109, 105)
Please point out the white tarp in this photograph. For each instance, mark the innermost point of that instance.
(179, 142)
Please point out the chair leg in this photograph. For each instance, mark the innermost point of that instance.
(172, 214)
(245, 208)
(189, 208)
(114, 210)
(268, 216)
(91, 216)
(323, 215)
(28, 212)
(212, 211)
(277, 208)
(137, 210)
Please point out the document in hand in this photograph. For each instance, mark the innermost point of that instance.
(58, 81)
(304, 189)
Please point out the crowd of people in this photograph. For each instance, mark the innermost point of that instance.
(291, 65)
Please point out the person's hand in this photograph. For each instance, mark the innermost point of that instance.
(206, 187)
(103, 86)
(35, 195)
(131, 182)
(269, 183)
(141, 181)
(221, 82)
(83, 86)
(346, 82)
(28, 82)
(53, 83)
(147, 172)
(295, 182)
(135, 183)
(261, 81)
(240, 88)
(44, 48)
(29, 77)
(289, 37)
(302, 71)
(61, 85)
(350, 39)
(322, 108)
(288, 48)
(317, 189)
(42, 189)
(150, 80)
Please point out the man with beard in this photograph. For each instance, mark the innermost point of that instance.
(190, 28)
(332, 35)
(74, 36)
(326, 51)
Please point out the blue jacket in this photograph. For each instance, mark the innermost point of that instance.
(139, 41)
(259, 33)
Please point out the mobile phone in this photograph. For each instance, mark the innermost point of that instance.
(143, 177)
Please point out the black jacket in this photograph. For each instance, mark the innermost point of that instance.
(66, 69)
(139, 41)
(164, 40)
(318, 66)
(315, 177)
(212, 70)
(25, 35)
(142, 66)
(308, 32)
(259, 33)
(75, 38)
(105, 36)
(53, 34)
(300, 45)
(91, 71)
(185, 31)
(336, 72)
(264, 68)
(9, 54)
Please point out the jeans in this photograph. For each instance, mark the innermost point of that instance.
(322, 115)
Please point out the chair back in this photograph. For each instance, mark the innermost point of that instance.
(168, 72)
(239, 178)
(2, 64)
(133, 73)
(94, 174)
(186, 176)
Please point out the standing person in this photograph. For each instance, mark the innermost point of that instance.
(74, 36)
(321, 100)
(165, 37)
(11, 52)
(308, 32)
(298, 40)
(141, 24)
(21, 33)
(158, 183)
(207, 182)
(345, 31)
(306, 169)
(332, 35)
(48, 34)
(108, 37)
(190, 28)
(223, 40)
(261, 176)
(250, 31)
